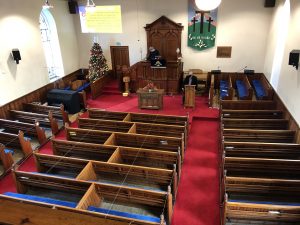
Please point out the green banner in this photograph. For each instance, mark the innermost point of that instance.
(202, 27)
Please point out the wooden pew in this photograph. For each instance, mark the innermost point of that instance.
(6, 159)
(139, 157)
(103, 172)
(161, 119)
(262, 150)
(248, 104)
(89, 196)
(28, 117)
(252, 114)
(171, 144)
(243, 87)
(138, 117)
(147, 158)
(243, 211)
(132, 127)
(224, 84)
(127, 140)
(262, 167)
(16, 142)
(82, 150)
(58, 112)
(275, 189)
(251, 135)
(258, 82)
(29, 129)
(86, 135)
(104, 125)
(262, 124)
(106, 115)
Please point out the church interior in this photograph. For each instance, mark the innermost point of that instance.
(149, 112)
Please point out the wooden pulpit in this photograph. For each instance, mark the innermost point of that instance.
(189, 95)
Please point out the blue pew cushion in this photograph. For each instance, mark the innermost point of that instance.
(241, 89)
(41, 199)
(84, 86)
(259, 89)
(125, 214)
(264, 202)
(7, 151)
(224, 89)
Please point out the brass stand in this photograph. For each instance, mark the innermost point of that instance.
(126, 80)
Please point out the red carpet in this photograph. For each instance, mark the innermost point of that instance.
(197, 200)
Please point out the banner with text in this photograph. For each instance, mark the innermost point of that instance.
(202, 27)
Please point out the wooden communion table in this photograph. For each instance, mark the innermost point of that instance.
(150, 99)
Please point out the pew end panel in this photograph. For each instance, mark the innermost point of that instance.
(25, 144)
(211, 92)
(6, 158)
(116, 157)
(90, 198)
(88, 173)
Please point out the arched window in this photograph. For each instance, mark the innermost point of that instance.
(51, 45)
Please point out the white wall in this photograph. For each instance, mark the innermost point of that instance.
(19, 28)
(289, 78)
(243, 24)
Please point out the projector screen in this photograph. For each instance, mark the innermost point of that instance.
(101, 19)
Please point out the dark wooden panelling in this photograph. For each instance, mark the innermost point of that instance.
(164, 35)
(169, 78)
(38, 95)
(287, 115)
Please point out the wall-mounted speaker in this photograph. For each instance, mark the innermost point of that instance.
(270, 3)
(294, 58)
(73, 6)
(249, 71)
(16, 55)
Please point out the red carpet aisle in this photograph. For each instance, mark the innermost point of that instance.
(197, 200)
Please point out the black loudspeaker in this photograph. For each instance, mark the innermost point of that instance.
(73, 7)
(270, 3)
(216, 71)
(248, 71)
(294, 58)
(16, 55)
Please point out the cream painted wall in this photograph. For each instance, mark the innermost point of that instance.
(19, 28)
(243, 24)
(289, 78)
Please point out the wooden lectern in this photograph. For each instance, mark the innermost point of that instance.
(189, 95)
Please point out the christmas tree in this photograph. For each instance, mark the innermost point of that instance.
(97, 63)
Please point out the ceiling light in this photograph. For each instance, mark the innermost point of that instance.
(90, 3)
(47, 5)
(207, 5)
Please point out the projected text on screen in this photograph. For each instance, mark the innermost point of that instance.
(101, 19)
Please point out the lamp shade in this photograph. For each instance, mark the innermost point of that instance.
(207, 5)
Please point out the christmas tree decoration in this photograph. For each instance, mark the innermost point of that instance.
(97, 64)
